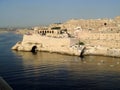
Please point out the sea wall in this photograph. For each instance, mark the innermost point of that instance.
(50, 44)
(49, 41)
(104, 51)
(111, 40)
(97, 43)
(63, 45)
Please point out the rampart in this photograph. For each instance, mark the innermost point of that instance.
(50, 44)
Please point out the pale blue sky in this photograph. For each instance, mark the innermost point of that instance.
(43, 12)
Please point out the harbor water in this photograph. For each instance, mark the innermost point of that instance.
(52, 71)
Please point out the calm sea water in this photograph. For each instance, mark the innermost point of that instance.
(51, 71)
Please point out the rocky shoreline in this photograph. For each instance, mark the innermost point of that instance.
(102, 51)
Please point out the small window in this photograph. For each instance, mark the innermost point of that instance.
(52, 31)
(105, 24)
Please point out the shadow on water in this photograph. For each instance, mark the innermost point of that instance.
(34, 53)
(82, 58)
(34, 49)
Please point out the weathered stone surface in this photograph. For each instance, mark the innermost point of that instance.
(101, 37)
(43, 43)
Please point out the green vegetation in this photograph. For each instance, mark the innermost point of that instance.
(80, 43)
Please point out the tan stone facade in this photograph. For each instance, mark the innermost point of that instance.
(96, 32)
(50, 44)
(102, 32)
(54, 30)
(111, 40)
(100, 36)
(94, 25)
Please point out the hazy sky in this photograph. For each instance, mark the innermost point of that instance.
(42, 12)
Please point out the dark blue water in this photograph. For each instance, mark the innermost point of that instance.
(51, 71)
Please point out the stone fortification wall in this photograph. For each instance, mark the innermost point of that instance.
(111, 40)
(96, 32)
(49, 41)
(101, 36)
(103, 25)
(107, 44)
(43, 43)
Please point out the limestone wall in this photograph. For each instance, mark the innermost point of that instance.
(103, 25)
(111, 40)
(101, 33)
(43, 43)
(49, 41)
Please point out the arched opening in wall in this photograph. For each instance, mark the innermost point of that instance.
(52, 31)
(34, 48)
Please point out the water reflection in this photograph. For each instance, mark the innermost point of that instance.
(56, 71)
(45, 58)
(74, 63)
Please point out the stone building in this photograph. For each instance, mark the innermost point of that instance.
(54, 30)
(96, 32)
(92, 24)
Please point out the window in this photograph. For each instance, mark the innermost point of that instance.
(105, 24)
(52, 31)
(56, 28)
